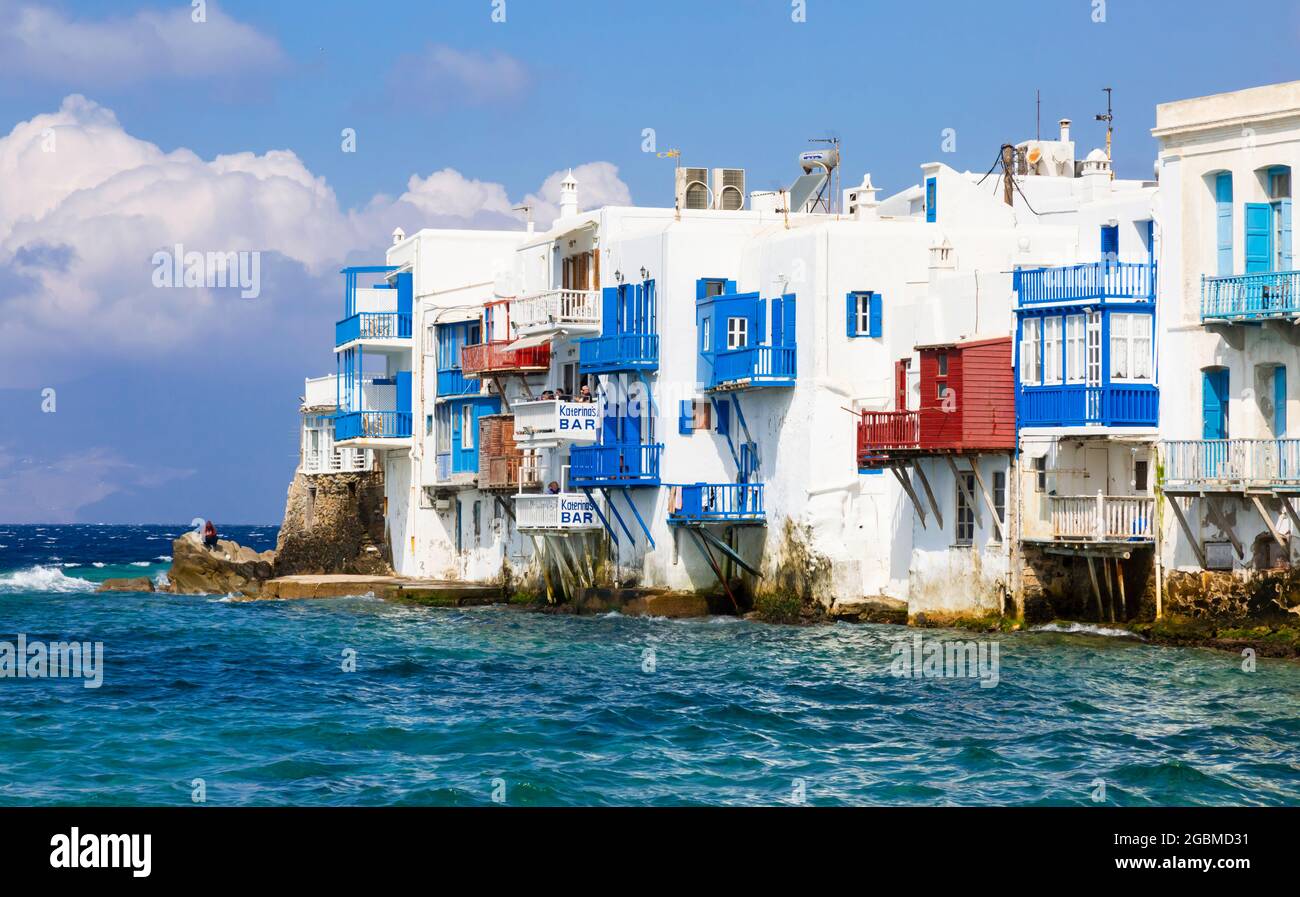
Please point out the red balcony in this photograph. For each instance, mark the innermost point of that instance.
(880, 431)
(486, 359)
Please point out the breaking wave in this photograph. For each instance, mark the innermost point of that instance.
(43, 579)
(1085, 629)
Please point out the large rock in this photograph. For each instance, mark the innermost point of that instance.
(333, 523)
(227, 569)
(129, 584)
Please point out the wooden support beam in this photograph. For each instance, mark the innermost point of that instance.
(1290, 512)
(906, 483)
(1096, 589)
(1282, 540)
(1187, 529)
(501, 391)
(1221, 521)
(1123, 597)
(929, 493)
(708, 556)
(961, 484)
(993, 511)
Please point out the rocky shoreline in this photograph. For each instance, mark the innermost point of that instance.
(1270, 629)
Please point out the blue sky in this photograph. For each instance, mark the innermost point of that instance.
(172, 406)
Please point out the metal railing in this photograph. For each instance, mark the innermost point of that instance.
(555, 511)
(1102, 518)
(372, 325)
(1094, 280)
(1237, 463)
(556, 308)
(707, 502)
(372, 425)
(1251, 297)
(623, 351)
(774, 365)
(617, 463)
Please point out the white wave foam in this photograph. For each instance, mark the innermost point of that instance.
(97, 564)
(43, 579)
(163, 557)
(139, 563)
(1085, 629)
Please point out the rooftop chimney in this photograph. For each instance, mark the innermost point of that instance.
(398, 235)
(1065, 130)
(569, 196)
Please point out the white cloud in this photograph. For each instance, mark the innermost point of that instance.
(42, 43)
(79, 227)
(446, 76)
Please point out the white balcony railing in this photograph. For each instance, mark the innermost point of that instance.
(562, 512)
(575, 311)
(1232, 463)
(1102, 518)
(554, 421)
(320, 392)
(339, 460)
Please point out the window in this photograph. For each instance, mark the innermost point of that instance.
(444, 429)
(1074, 348)
(1030, 359)
(428, 425)
(1093, 371)
(1140, 469)
(467, 427)
(713, 287)
(1130, 347)
(1279, 183)
(931, 200)
(706, 334)
(737, 333)
(1040, 473)
(941, 360)
(965, 512)
(864, 314)
(999, 498)
(1052, 350)
(430, 339)
(694, 415)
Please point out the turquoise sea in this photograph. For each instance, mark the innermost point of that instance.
(467, 706)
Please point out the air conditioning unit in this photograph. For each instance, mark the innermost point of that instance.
(729, 189)
(692, 188)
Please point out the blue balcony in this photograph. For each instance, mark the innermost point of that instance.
(620, 352)
(618, 464)
(372, 326)
(699, 503)
(754, 366)
(1077, 405)
(453, 384)
(372, 425)
(1274, 295)
(1096, 281)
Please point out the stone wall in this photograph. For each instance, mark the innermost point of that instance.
(334, 523)
(1059, 587)
(1217, 595)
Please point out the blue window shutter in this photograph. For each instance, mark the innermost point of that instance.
(686, 417)
(403, 382)
(851, 313)
(404, 293)
(1223, 233)
(728, 287)
(760, 323)
(876, 314)
(1259, 237)
(778, 321)
(1284, 212)
(1279, 401)
(931, 200)
(787, 324)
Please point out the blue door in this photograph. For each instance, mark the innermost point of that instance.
(1284, 234)
(1223, 232)
(1214, 404)
(1110, 243)
(1259, 237)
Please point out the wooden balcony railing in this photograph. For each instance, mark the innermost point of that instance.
(1103, 518)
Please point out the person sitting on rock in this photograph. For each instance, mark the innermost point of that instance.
(209, 535)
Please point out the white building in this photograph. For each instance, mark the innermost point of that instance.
(1229, 299)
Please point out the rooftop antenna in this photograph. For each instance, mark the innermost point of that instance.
(1109, 119)
(835, 172)
(1038, 114)
(675, 154)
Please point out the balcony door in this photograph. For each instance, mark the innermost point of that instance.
(1110, 243)
(1259, 237)
(1214, 403)
(1092, 372)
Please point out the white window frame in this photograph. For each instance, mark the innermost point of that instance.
(443, 426)
(1052, 354)
(1131, 350)
(1030, 373)
(737, 333)
(706, 334)
(964, 519)
(863, 317)
(467, 426)
(1076, 347)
